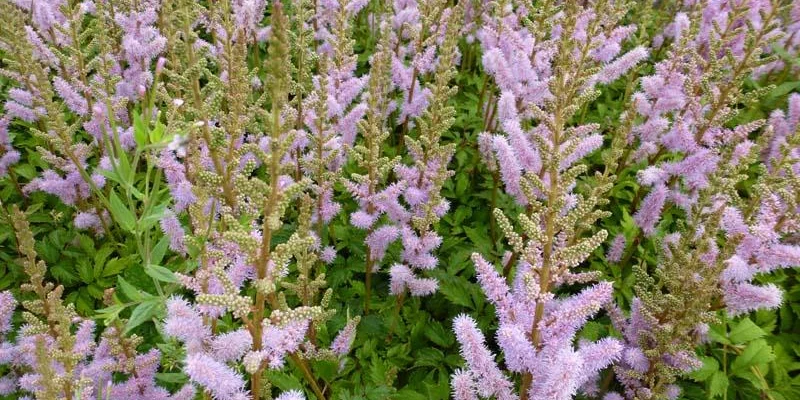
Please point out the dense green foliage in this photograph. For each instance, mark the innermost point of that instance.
(404, 347)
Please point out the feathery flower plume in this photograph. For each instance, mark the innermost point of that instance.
(538, 156)
(687, 105)
(369, 187)
(237, 184)
(422, 181)
(55, 354)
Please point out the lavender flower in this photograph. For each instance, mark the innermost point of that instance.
(242, 189)
(423, 180)
(539, 165)
(291, 395)
(72, 98)
(219, 379)
(697, 269)
(488, 380)
(64, 359)
(7, 306)
(172, 228)
(617, 248)
(344, 339)
(9, 156)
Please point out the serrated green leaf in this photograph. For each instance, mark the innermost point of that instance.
(372, 325)
(96, 291)
(86, 243)
(114, 267)
(428, 357)
(480, 238)
(283, 381)
(85, 270)
(84, 303)
(718, 333)
(172, 377)
(718, 384)
(377, 371)
(326, 369)
(101, 257)
(757, 352)
(408, 394)
(437, 334)
(745, 331)
(710, 366)
(457, 290)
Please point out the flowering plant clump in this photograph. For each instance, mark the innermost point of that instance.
(410, 199)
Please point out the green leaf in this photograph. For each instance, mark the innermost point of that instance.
(140, 131)
(157, 133)
(111, 174)
(718, 385)
(102, 255)
(85, 271)
(95, 290)
(84, 303)
(428, 357)
(718, 333)
(141, 314)
(592, 331)
(756, 352)
(710, 366)
(784, 88)
(745, 331)
(109, 314)
(160, 273)
(408, 394)
(114, 267)
(377, 372)
(122, 214)
(283, 381)
(155, 215)
(457, 290)
(157, 255)
(326, 369)
(172, 377)
(124, 166)
(86, 243)
(480, 238)
(129, 290)
(462, 184)
(437, 334)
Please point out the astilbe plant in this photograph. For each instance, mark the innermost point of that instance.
(416, 32)
(411, 202)
(58, 67)
(422, 180)
(84, 84)
(238, 158)
(54, 354)
(369, 186)
(333, 110)
(546, 61)
(223, 131)
(726, 237)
